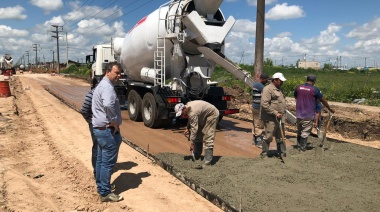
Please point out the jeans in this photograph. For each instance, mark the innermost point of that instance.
(94, 149)
(108, 149)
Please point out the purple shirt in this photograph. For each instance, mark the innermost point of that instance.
(306, 99)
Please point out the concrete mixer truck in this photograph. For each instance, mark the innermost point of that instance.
(6, 63)
(169, 57)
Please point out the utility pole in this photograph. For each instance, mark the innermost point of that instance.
(35, 49)
(365, 62)
(53, 57)
(259, 45)
(305, 60)
(57, 37)
(67, 52)
(27, 54)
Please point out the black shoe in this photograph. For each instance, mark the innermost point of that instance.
(111, 197)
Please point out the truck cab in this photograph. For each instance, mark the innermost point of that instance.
(101, 55)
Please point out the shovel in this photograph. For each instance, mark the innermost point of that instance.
(322, 144)
(283, 140)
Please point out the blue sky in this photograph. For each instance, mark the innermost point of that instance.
(323, 30)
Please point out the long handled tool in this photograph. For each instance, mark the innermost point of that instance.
(283, 140)
(191, 149)
(326, 128)
(322, 144)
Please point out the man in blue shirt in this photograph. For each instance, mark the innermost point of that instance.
(306, 100)
(258, 126)
(106, 119)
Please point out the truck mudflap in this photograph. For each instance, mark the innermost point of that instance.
(228, 111)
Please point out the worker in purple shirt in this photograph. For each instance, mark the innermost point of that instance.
(307, 96)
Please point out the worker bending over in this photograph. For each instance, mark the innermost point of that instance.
(202, 120)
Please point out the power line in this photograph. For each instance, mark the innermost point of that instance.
(78, 10)
(99, 11)
(122, 15)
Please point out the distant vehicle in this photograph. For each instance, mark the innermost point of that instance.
(6, 63)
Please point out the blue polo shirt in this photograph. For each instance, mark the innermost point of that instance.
(306, 99)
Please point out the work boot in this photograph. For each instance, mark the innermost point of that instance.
(111, 197)
(208, 156)
(302, 144)
(264, 151)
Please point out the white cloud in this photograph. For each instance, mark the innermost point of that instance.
(326, 38)
(240, 39)
(369, 30)
(56, 20)
(8, 32)
(119, 29)
(283, 11)
(244, 25)
(15, 46)
(47, 5)
(94, 27)
(94, 12)
(14, 13)
(284, 34)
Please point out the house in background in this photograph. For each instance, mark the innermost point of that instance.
(309, 64)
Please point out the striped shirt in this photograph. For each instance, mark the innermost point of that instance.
(86, 107)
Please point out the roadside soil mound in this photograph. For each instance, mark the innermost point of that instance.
(351, 122)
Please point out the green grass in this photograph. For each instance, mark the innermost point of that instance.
(339, 86)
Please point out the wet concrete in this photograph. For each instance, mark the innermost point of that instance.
(345, 177)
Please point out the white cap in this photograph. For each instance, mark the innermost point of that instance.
(279, 75)
(178, 109)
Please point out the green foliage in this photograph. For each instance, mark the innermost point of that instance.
(77, 70)
(336, 85)
(268, 62)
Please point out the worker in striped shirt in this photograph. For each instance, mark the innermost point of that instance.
(87, 115)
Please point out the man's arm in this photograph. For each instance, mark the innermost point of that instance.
(326, 104)
(193, 124)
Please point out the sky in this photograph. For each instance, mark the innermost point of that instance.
(338, 32)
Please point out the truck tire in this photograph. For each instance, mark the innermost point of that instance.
(134, 106)
(150, 111)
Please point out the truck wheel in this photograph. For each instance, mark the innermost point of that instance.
(150, 111)
(134, 106)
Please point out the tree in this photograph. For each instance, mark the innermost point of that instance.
(268, 62)
(327, 66)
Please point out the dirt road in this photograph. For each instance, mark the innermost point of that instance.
(45, 162)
